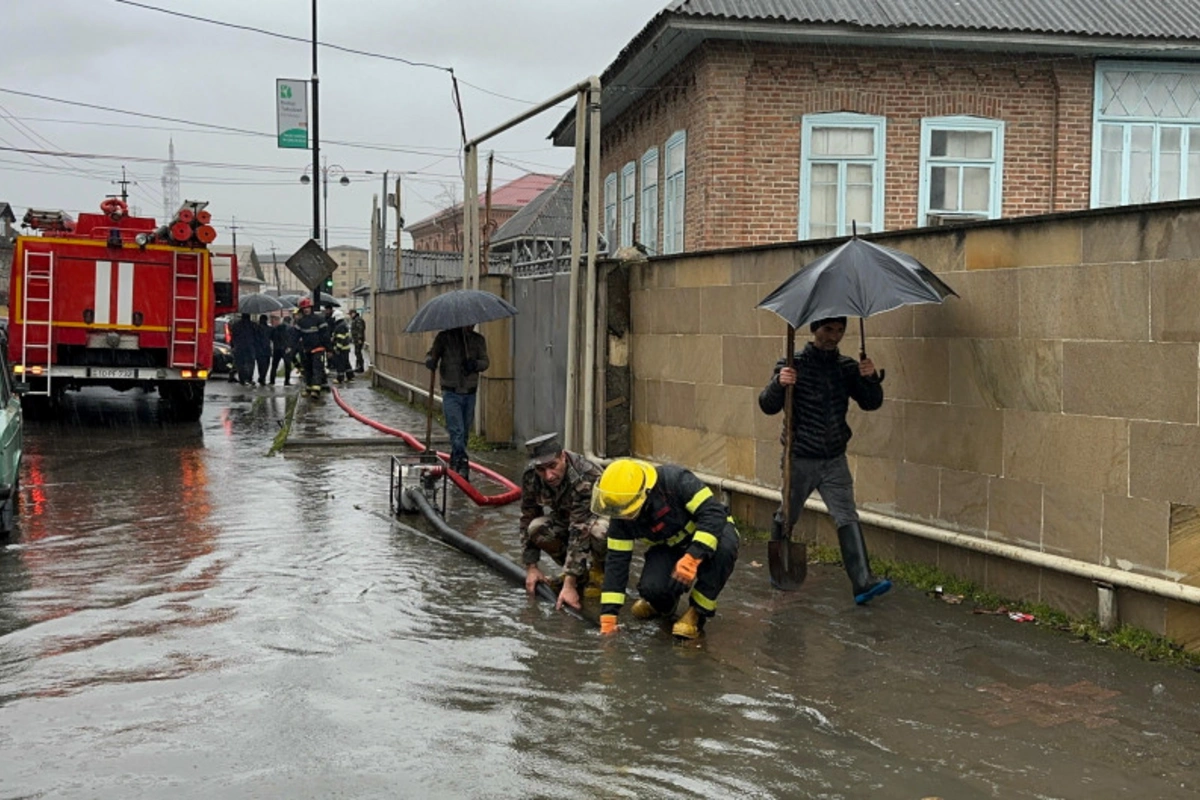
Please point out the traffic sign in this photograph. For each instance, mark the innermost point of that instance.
(311, 264)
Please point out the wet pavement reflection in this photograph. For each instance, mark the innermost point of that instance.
(182, 615)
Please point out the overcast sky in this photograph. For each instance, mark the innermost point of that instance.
(108, 53)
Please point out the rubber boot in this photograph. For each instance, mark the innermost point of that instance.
(643, 610)
(595, 582)
(858, 566)
(689, 625)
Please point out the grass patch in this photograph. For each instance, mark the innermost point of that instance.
(289, 414)
(927, 578)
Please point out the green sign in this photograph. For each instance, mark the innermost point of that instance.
(291, 113)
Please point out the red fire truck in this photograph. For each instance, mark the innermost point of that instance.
(115, 300)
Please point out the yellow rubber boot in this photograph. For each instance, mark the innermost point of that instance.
(643, 610)
(689, 625)
(595, 582)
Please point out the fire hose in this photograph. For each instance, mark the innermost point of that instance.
(512, 493)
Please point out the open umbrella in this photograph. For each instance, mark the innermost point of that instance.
(459, 308)
(258, 304)
(857, 279)
(290, 300)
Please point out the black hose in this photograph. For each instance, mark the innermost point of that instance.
(465, 543)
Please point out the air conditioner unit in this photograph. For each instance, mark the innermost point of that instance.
(951, 217)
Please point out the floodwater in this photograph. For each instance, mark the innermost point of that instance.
(182, 616)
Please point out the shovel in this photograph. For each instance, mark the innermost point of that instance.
(788, 560)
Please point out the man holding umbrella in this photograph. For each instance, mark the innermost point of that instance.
(824, 381)
(459, 355)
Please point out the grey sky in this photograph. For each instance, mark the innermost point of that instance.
(111, 54)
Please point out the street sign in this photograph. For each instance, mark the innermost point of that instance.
(311, 264)
(291, 113)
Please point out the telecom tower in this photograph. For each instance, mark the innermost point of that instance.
(170, 185)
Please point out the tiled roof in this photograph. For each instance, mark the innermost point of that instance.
(1167, 19)
(548, 214)
(514, 194)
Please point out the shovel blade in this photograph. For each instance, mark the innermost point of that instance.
(788, 563)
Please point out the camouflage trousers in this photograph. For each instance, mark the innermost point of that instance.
(553, 539)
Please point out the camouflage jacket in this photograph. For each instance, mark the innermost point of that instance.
(569, 506)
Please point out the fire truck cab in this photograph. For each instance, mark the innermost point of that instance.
(114, 300)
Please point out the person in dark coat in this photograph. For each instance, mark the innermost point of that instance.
(824, 383)
(241, 334)
(459, 355)
(358, 334)
(280, 340)
(262, 347)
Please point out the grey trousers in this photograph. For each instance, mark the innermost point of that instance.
(829, 477)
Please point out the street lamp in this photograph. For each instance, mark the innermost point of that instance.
(326, 171)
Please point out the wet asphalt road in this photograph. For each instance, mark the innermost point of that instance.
(182, 616)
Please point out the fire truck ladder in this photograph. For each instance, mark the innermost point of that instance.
(185, 318)
(37, 312)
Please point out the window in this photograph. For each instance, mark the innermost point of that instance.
(628, 202)
(1146, 137)
(610, 213)
(648, 230)
(673, 192)
(841, 174)
(962, 161)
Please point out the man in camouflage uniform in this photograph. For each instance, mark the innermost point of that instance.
(557, 519)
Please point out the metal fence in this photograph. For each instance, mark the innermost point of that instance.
(425, 267)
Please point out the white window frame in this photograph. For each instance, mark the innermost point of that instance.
(648, 226)
(995, 162)
(628, 202)
(878, 126)
(610, 213)
(1190, 126)
(674, 194)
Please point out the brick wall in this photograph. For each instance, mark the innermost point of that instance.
(742, 104)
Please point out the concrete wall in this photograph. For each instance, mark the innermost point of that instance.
(1055, 405)
(401, 355)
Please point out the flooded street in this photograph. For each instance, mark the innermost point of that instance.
(183, 616)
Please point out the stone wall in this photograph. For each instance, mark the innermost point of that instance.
(401, 355)
(1054, 405)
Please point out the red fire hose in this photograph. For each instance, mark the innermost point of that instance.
(512, 494)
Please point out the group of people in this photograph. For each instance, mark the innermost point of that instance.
(588, 519)
(314, 344)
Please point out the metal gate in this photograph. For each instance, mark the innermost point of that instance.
(540, 354)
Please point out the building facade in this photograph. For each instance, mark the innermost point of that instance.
(353, 268)
(725, 125)
(443, 231)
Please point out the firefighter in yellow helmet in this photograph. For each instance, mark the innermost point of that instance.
(693, 543)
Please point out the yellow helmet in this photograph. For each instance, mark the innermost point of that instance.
(621, 490)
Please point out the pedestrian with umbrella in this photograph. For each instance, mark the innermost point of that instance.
(814, 389)
(458, 355)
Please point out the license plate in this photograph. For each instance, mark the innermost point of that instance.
(113, 372)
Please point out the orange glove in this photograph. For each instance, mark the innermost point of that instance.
(608, 623)
(685, 569)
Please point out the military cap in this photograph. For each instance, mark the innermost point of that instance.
(543, 448)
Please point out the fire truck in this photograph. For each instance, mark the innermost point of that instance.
(116, 300)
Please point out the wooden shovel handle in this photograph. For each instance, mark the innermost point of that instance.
(789, 361)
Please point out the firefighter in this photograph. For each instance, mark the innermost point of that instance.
(557, 519)
(280, 340)
(358, 334)
(241, 334)
(314, 342)
(693, 543)
(340, 330)
(262, 347)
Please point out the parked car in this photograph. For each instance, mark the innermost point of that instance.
(222, 349)
(11, 443)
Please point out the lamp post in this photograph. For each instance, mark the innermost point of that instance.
(325, 173)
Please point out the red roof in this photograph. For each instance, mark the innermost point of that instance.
(514, 194)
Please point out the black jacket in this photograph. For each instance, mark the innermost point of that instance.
(314, 333)
(825, 383)
(281, 336)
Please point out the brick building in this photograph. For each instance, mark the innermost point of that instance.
(731, 123)
(442, 232)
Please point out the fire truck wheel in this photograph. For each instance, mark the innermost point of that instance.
(184, 401)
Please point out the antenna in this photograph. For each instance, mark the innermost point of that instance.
(124, 183)
(170, 184)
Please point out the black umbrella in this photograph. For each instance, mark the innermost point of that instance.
(459, 308)
(857, 279)
(258, 304)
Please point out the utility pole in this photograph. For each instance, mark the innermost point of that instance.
(316, 147)
(124, 183)
(383, 233)
(275, 268)
(399, 229)
(233, 228)
(487, 218)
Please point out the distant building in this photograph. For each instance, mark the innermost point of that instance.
(250, 272)
(443, 232)
(7, 218)
(353, 269)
